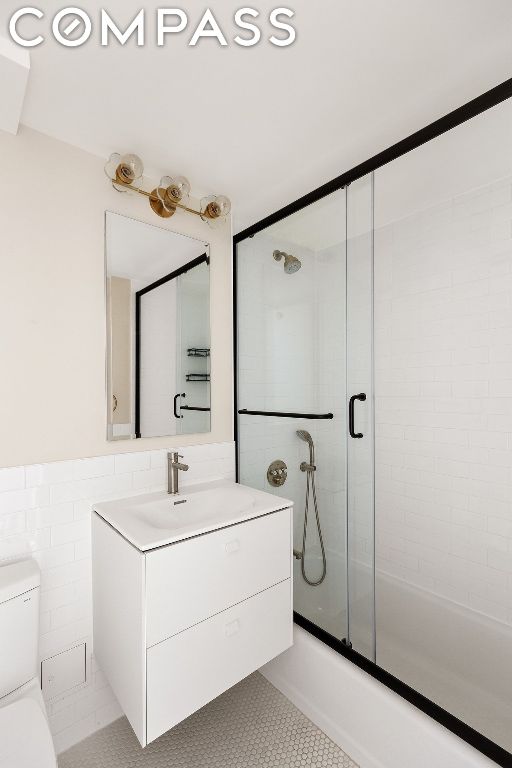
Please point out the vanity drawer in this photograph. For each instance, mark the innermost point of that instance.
(187, 671)
(194, 579)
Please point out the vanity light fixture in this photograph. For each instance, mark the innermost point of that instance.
(126, 174)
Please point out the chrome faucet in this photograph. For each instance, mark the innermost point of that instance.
(173, 467)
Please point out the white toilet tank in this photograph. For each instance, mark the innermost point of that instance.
(19, 624)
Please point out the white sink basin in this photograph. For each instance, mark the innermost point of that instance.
(197, 508)
(156, 519)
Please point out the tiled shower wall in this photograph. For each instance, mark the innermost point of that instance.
(443, 319)
(45, 512)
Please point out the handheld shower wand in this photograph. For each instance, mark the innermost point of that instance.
(305, 467)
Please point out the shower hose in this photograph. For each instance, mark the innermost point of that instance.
(311, 492)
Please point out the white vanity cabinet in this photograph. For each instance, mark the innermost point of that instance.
(177, 625)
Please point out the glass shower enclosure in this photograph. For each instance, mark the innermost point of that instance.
(374, 390)
(304, 347)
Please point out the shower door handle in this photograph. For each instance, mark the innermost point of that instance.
(351, 402)
(175, 408)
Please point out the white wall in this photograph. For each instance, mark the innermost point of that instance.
(53, 199)
(159, 341)
(45, 512)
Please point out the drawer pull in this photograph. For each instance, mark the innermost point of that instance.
(232, 628)
(232, 546)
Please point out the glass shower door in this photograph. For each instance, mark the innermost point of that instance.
(305, 334)
(291, 280)
(360, 433)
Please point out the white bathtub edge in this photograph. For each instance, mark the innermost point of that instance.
(375, 726)
(337, 734)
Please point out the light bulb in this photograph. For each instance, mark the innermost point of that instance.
(173, 190)
(124, 170)
(215, 209)
(181, 188)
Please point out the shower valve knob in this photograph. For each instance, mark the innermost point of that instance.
(277, 473)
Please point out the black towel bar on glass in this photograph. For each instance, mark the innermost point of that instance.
(245, 412)
(192, 408)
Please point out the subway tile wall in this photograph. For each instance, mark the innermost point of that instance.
(45, 512)
(443, 318)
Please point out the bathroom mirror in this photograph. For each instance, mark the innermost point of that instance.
(158, 330)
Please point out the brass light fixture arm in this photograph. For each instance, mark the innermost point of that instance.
(150, 195)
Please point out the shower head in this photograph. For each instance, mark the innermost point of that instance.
(305, 436)
(291, 263)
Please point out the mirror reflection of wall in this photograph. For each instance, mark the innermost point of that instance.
(158, 324)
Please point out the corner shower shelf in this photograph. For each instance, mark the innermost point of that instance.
(198, 377)
(245, 412)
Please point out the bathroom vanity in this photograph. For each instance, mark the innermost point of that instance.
(191, 594)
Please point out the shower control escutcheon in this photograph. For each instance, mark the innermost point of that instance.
(277, 473)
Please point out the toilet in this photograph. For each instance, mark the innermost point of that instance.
(25, 738)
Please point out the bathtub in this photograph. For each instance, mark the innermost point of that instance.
(455, 656)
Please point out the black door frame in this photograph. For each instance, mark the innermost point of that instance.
(466, 112)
